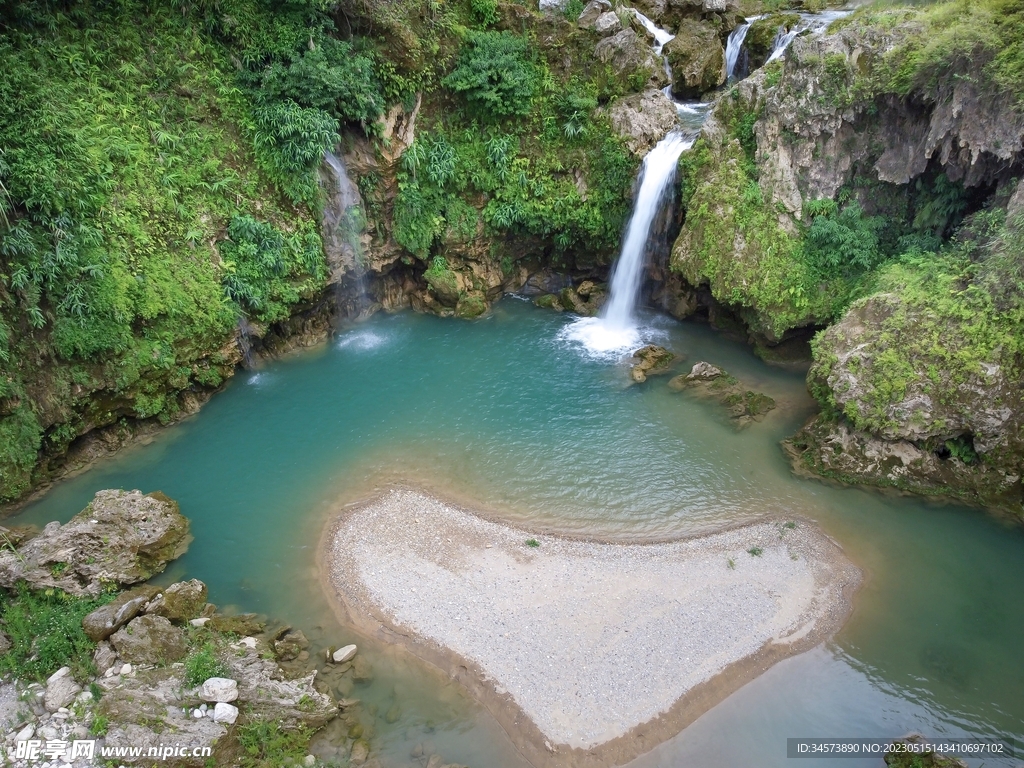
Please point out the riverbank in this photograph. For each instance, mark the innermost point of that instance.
(587, 652)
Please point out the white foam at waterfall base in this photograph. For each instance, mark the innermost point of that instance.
(616, 331)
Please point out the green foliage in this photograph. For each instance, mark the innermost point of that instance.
(267, 745)
(755, 551)
(20, 440)
(573, 9)
(201, 665)
(292, 140)
(841, 242)
(943, 41)
(266, 270)
(497, 73)
(533, 543)
(485, 11)
(46, 633)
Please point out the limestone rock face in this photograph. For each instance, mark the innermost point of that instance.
(593, 11)
(697, 58)
(643, 119)
(607, 23)
(150, 640)
(122, 537)
(630, 56)
(762, 34)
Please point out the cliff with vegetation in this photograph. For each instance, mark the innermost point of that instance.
(869, 184)
(180, 182)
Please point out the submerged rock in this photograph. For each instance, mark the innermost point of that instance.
(122, 537)
(651, 361)
(743, 405)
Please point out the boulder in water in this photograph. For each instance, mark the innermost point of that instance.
(651, 361)
(122, 537)
(709, 381)
(697, 58)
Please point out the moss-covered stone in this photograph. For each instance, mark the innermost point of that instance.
(697, 58)
(762, 34)
(709, 382)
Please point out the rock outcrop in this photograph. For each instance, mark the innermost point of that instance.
(643, 119)
(697, 58)
(122, 537)
(651, 361)
(631, 57)
(707, 381)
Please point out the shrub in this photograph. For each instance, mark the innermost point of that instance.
(484, 11)
(496, 73)
(841, 242)
(46, 633)
(201, 665)
(268, 745)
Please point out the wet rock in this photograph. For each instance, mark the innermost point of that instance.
(61, 689)
(651, 360)
(544, 281)
(242, 624)
(107, 619)
(150, 640)
(697, 58)
(122, 537)
(347, 653)
(219, 689)
(631, 57)
(104, 657)
(470, 305)
(290, 645)
(762, 33)
(180, 602)
(549, 301)
(744, 406)
(643, 119)
(360, 752)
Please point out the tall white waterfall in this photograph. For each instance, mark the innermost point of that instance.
(659, 170)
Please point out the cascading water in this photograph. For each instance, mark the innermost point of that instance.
(734, 45)
(815, 23)
(343, 225)
(659, 171)
(245, 343)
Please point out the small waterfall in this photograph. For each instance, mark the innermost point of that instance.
(661, 38)
(733, 47)
(815, 23)
(659, 171)
(343, 226)
(245, 343)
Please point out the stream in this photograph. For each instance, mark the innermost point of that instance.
(507, 415)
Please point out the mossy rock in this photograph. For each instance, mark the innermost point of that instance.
(697, 58)
(549, 301)
(470, 306)
(762, 34)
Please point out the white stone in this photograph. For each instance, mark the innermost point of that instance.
(248, 642)
(225, 713)
(126, 669)
(203, 707)
(25, 733)
(553, 5)
(310, 760)
(219, 689)
(607, 23)
(344, 654)
(58, 675)
(199, 622)
(197, 714)
(60, 691)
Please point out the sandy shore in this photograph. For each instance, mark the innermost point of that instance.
(587, 652)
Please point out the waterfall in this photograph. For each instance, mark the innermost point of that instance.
(815, 23)
(245, 343)
(343, 226)
(659, 171)
(733, 47)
